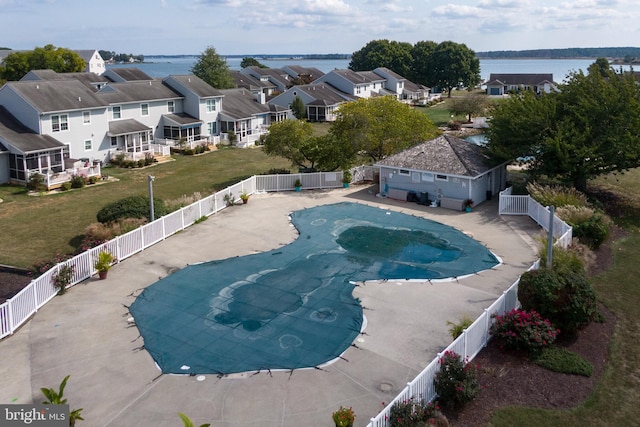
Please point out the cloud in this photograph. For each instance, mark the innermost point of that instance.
(459, 11)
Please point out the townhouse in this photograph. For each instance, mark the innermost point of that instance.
(61, 124)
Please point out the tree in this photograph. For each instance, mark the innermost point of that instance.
(298, 108)
(60, 60)
(393, 55)
(452, 65)
(251, 62)
(294, 140)
(421, 62)
(469, 105)
(589, 128)
(380, 126)
(213, 69)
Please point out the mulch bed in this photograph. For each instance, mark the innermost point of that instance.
(512, 380)
(11, 282)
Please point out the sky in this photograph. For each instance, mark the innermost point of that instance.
(238, 27)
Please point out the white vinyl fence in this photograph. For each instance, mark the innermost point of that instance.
(476, 336)
(17, 310)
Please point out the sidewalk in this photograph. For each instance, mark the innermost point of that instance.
(86, 333)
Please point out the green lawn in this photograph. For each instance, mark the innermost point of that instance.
(615, 400)
(37, 227)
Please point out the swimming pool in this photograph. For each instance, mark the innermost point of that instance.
(293, 307)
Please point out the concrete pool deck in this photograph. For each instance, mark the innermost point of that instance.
(86, 333)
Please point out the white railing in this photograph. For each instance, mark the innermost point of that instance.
(17, 310)
(510, 204)
(476, 336)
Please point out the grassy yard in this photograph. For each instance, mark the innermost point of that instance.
(615, 400)
(37, 227)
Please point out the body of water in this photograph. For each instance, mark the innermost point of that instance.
(560, 68)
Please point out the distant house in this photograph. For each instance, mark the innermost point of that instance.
(276, 77)
(502, 84)
(247, 81)
(446, 170)
(321, 100)
(350, 82)
(299, 72)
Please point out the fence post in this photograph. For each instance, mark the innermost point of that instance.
(464, 338)
(10, 312)
(487, 326)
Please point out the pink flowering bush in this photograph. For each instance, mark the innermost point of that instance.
(523, 330)
(413, 412)
(456, 383)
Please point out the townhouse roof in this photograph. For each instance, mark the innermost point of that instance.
(326, 93)
(127, 74)
(182, 119)
(91, 79)
(371, 76)
(274, 74)
(14, 133)
(126, 126)
(195, 84)
(55, 95)
(247, 81)
(446, 154)
(300, 70)
(520, 79)
(353, 76)
(126, 92)
(241, 104)
(385, 71)
(410, 86)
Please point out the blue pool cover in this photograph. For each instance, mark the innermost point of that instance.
(293, 307)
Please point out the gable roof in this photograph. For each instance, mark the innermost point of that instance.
(55, 95)
(152, 90)
(384, 71)
(371, 76)
(297, 70)
(352, 76)
(241, 104)
(446, 154)
(325, 94)
(195, 84)
(126, 74)
(247, 81)
(520, 79)
(23, 139)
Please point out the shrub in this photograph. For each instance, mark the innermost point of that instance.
(414, 412)
(343, 417)
(117, 160)
(572, 259)
(78, 181)
(454, 125)
(556, 195)
(63, 278)
(559, 359)
(130, 207)
(92, 180)
(594, 231)
(36, 182)
(523, 330)
(564, 297)
(455, 329)
(66, 186)
(277, 171)
(182, 201)
(456, 383)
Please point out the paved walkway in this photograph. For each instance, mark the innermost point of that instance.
(86, 332)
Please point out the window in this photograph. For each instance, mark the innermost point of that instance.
(116, 112)
(114, 141)
(87, 145)
(442, 178)
(212, 128)
(404, 172)
(86, 117)
(144, 109)
(59, 123)
(171, 106)
(211, 105)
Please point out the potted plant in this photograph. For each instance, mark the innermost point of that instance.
(244, 196)
(297, 185)
(468, 204)
(103, 263)
(346, 179)
(63, 278)
(344, 417)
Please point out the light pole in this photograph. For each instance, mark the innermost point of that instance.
(151, 214)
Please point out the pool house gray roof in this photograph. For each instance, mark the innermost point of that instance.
(446, 155)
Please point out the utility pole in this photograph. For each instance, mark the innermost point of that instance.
(151, 210)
